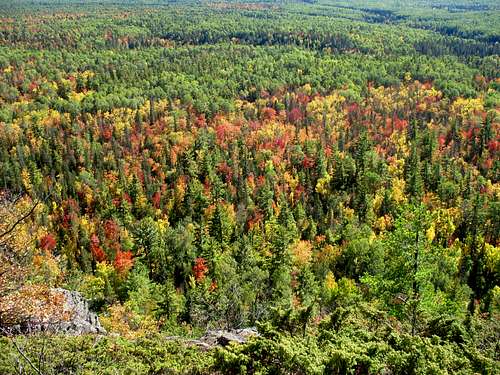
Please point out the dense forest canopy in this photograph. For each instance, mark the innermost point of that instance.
(327, 171)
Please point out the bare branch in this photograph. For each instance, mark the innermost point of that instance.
(20, 220)
(26, 358)
(41, 357)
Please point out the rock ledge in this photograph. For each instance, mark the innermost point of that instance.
(75, 318)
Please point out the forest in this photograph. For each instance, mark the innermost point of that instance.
(325, 173)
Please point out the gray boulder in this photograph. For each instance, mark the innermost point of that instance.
(82, 321)
(215, 338)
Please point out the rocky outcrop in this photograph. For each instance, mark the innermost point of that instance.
(215, 338)
(75, 318)
(82, 320)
